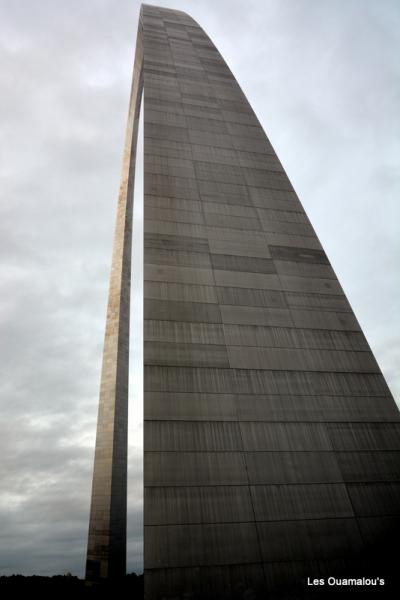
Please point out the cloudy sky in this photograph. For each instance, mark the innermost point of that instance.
(323, 78)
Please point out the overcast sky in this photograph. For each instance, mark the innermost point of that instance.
(323, 78)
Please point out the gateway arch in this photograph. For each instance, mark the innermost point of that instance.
(270, 436)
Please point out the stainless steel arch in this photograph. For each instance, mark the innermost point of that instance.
(271, 438)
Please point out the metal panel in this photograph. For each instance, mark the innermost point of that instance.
(222, 581)
(292, 467)
(292, 283)
(211, 504)
(293, 540)
(178, 258)
(372, 499)
(369, 466)
(174, 274)
(304, 269)
(289, 240)
(186, 545)
(268, 407)
(187, 379)
(290, 337)
(235, 296)
(249, 264)
(183, 332)
(229, 209)
(216, 220)
(285, 436)
(173, 204)
(162, 290)
(293, 502)
(257, 381)
(365, 436)
(235, 235)
(182, 311)
(335, 302)
(173, 228)
(292, 253)
(194, 468)
(240, 248)
(289, 359)
(171, 353)
(256, 315)
(193, 436)
(214, 155)
(165, 214)
(325, 320)
(175, 243)
(218, 172)
(273, 198)
(247, 280)
(177, 406)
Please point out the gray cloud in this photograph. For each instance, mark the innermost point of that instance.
(323, 79)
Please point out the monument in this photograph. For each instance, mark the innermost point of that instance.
(271, 440)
